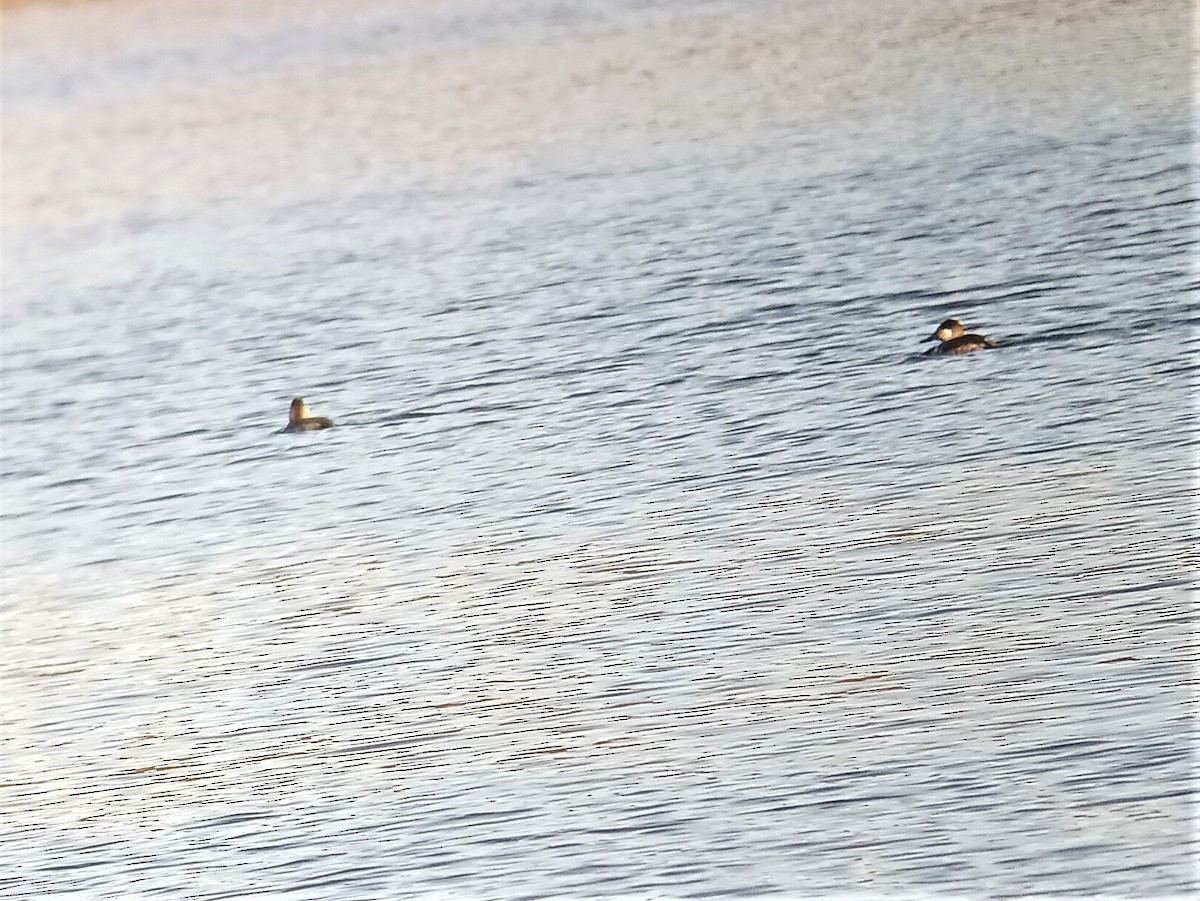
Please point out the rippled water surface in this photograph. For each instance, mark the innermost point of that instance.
(649, 556)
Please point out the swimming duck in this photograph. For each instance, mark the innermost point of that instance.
(955, 340)
(300, 421)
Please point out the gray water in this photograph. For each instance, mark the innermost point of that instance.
(649, 556)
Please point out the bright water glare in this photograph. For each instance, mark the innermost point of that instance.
(649, 555)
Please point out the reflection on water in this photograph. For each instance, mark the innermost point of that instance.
(648, 554)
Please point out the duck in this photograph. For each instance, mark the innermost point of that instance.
(956, 340)
(300, 421)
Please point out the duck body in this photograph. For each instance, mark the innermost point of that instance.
(300, 421)
(956, 340)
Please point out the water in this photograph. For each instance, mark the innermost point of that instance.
(649, 556)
